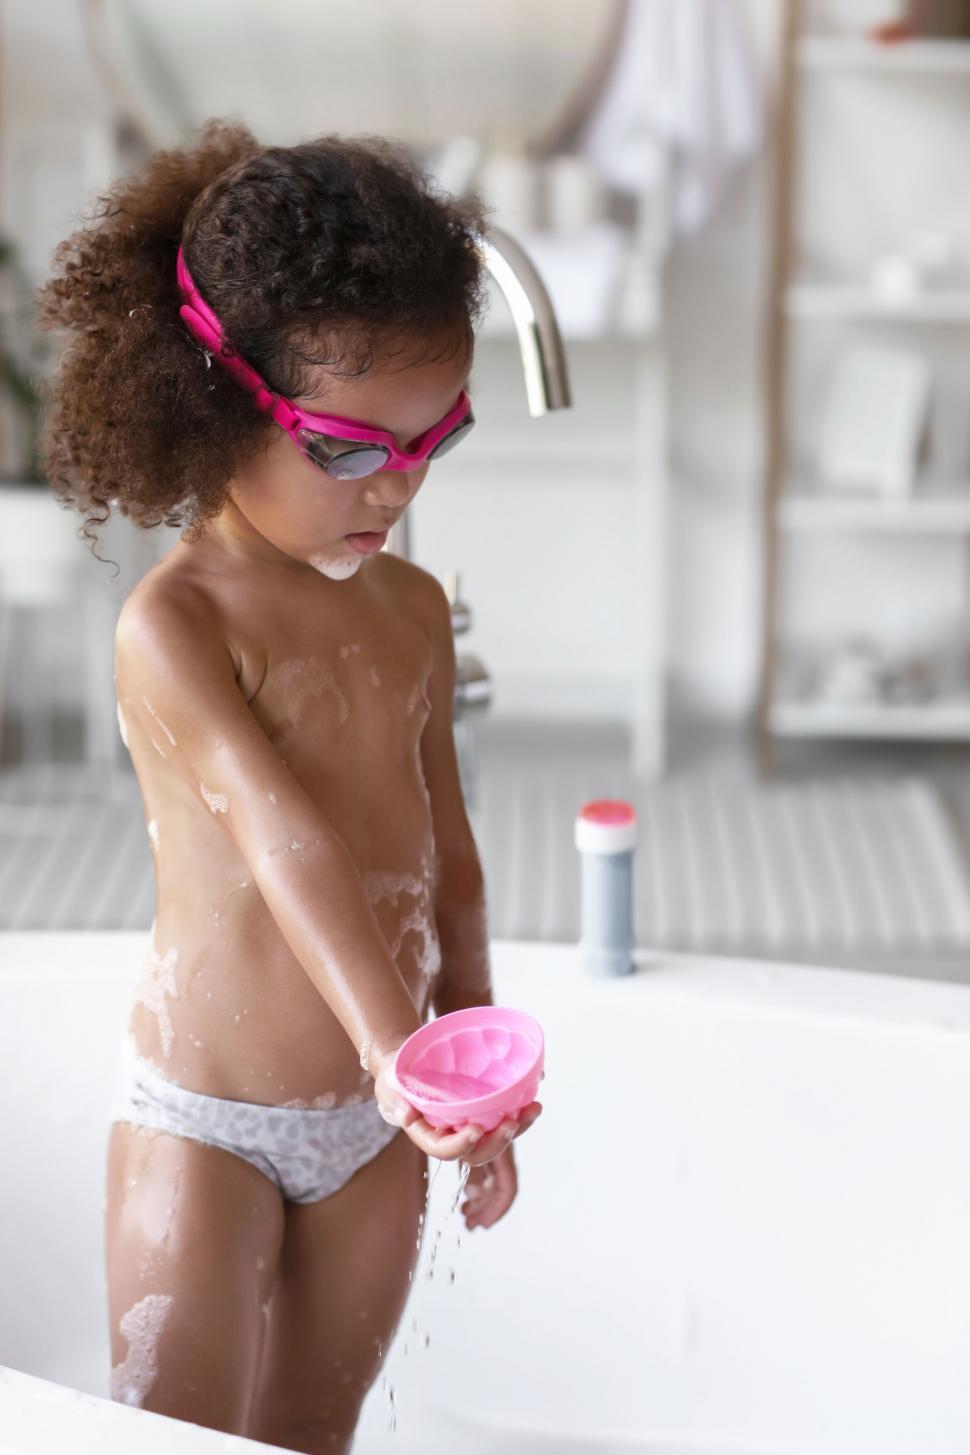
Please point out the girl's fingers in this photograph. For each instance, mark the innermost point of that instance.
(445, 1145)
(486, 1210)
(531, 1114)
(504, 1133)
(471, 1143)
(399, 1114)
(493, 1143)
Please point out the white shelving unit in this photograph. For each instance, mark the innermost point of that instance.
(820, 301)
(795, 508)
(851, 53)
(933, 510)
(935, 722)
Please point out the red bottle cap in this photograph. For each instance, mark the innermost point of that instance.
(606, 826)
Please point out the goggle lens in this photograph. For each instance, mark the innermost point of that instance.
(341, 463)
(332, 455)
(453, 437)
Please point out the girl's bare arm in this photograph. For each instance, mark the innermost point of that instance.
(172, 653)
(460, 902)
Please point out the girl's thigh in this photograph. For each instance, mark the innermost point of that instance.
(192, 1240)
(340, 1292)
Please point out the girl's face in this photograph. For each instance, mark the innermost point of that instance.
(283, 507)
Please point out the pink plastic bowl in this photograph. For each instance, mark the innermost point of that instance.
(476, 1065)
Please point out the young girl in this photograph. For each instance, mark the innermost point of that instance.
(285, 690)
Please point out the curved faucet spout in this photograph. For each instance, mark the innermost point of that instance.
(540, 343)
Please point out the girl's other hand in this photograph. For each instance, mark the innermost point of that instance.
(491, 1189)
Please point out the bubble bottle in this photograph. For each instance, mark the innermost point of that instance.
(606, 835)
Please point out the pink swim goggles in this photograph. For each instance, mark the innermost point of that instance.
(323, 438)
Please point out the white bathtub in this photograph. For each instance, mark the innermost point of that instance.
(743, 1222)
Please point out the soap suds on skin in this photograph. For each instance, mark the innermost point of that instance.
(153, 833)
(158, 981)
(218, 802)
(339, 566)
(327, 1100)
(389, 884)
(292, 846)
(122, 725)
(155, 715)
(155, 1224)
(142, 1326)
(300, 677)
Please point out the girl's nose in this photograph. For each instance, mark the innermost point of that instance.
(393, 489)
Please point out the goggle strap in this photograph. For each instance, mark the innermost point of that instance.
(283, 413)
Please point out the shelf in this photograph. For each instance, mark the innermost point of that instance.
(912, 57)
(816, 301)
(942, 720)
(795, 703)
(925, 513)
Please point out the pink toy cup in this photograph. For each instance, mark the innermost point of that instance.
(476, 1065)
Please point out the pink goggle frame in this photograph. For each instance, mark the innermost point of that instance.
(323, 438)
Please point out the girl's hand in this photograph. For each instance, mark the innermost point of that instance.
(491, 1189)
(470, 1143)
(396, 1109)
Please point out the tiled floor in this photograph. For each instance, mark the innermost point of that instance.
(852, 855)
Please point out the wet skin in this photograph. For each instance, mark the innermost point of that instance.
(344, 665)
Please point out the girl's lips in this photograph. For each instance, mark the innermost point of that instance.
(367, 541)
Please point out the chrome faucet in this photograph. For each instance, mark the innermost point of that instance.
(540, 342)
(547, 387)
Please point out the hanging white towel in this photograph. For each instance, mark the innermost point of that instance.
(684, 73)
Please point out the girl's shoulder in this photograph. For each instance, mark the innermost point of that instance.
(409, 583)
(174, 588)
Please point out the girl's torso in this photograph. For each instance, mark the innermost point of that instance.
(336, 674)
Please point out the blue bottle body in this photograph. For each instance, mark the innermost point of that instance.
(606, 836)
(606, 936)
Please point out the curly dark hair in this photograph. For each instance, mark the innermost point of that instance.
(324, 253)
